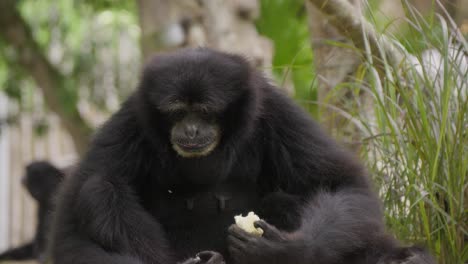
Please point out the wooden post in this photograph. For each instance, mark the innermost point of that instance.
(4, 175)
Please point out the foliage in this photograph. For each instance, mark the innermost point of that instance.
(403, 30)
(84, 41)
(426, 150)
(415, 137)
(285, 23)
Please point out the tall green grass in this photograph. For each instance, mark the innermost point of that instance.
(412, 121)
(417, 138)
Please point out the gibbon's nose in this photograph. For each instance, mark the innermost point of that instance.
(191, 131)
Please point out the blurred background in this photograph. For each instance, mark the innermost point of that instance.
(395, 94)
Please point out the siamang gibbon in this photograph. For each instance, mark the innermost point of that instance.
(41, 180)
(206, 137)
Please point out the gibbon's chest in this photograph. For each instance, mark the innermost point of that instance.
(198, 220)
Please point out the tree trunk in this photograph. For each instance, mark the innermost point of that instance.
(230, 27)
(162, 26)
(17, 33)
(461, 13)
(221, 24)
(333, 65)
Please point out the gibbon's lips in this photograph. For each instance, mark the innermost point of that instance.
(194, 146)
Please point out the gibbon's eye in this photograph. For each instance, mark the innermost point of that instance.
(206, 115)
(204, 112)
(177, 114)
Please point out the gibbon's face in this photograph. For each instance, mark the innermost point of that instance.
(193, 90)
(195, 131)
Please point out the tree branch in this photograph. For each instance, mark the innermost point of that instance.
(351, 24)
(17, 33)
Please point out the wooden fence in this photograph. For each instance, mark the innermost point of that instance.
(19, 145)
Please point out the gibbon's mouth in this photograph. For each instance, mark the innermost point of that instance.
(190, 149)
(194, 146)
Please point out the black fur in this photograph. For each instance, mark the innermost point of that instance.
(41, 180)
(134, 200)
